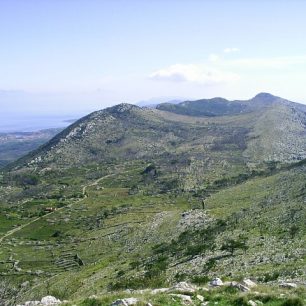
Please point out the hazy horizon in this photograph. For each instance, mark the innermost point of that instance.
(32, 123)
(31, 120)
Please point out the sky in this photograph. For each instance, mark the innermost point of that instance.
(75, 56)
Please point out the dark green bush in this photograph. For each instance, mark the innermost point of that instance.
(157, 267)
(269, 277)
(140, 282)
(179, 276)
(91, 302)
(240, 301)
(200, 279)
(293, 302)
(120, 273)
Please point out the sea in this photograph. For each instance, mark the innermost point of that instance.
(33, 123)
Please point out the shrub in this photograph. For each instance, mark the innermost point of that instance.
(269, 277)
(91, 302)
(211, 263)
(293, 302)
(231, 245)
(135, 264)
(140, 282)
(179, 276)
(56, 234)
(157, 267)
(151, 169)
(120, 273)
(240, 301)
(28, 179)
(200, 279)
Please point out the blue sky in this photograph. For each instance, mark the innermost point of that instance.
(75, 56)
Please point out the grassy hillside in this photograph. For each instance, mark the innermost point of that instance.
(208, 107)
(221, 145)
(131, 198)
(119, 236)
(222, 107)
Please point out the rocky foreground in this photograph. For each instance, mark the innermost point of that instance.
(217, 292)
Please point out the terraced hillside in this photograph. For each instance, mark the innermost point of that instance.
(132, 198)
(119, 237)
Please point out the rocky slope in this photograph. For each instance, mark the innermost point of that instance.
(268, 129)
(132, 198)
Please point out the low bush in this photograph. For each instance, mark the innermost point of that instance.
(293, 302)
(91, 302)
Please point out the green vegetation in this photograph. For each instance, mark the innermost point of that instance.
(226, 296)
(206, 107)
(130, 198)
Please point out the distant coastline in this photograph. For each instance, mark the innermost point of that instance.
(13, 124)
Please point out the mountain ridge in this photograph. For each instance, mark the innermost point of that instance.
(129, 127)
(220, 106)
(137, 198)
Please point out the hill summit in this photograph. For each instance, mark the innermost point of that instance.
(128, 200)
(264, 128)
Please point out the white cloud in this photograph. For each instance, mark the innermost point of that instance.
(213, 57)
(230, 50)
(193, 74)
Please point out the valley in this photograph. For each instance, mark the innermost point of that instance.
(129, 198)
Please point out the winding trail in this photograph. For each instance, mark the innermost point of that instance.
(96, 182)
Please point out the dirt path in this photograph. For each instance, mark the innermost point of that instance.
(96, 182)
(13, 231)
